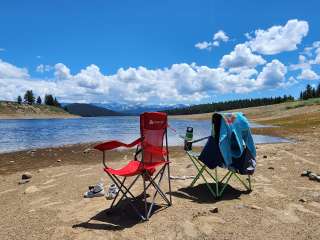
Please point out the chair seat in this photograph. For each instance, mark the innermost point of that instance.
(134, 168)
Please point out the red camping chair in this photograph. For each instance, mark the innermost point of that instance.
(150, 146)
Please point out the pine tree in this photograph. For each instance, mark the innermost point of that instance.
(56, 103)
(39, 100)
(19, 100)
(318, 91)
(29, 97)
(48, 100)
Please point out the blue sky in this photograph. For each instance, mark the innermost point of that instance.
(75, 49)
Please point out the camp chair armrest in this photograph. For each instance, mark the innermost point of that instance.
(199, 140)
(116, 144)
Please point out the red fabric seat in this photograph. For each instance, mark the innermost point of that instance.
(134, 168)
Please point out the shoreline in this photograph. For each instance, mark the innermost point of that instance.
(31, 117)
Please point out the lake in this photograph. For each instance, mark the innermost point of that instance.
(39, 133)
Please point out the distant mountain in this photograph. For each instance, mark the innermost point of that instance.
(135, 109)
(89, 110)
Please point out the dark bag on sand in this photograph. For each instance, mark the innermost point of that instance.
(246, 164)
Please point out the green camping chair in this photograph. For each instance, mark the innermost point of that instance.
(211, 157)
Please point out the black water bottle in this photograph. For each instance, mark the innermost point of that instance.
(188, 139)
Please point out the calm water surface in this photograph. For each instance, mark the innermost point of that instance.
(39, 133)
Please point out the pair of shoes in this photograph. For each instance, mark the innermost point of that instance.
(94, 191)
(112, 191)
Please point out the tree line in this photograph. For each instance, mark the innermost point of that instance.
(29, 98)
(310, 92)
(229, 105)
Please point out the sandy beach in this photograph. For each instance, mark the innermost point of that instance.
(282, 205)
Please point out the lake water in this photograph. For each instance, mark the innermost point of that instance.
(40, 133)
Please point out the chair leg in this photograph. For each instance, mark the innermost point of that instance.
(198, 176)
(115, 198)
(145, 198)
(201, 174)
(226, 183)
(169, 182)
(128, 190)
(243, 183)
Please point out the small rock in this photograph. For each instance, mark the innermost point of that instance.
(214, 210)
(313, 176)
(59, 160)
(87, 150)
(302, 200)
(24, 181)
(189, 166)
(255, 207)
(265, 156)
(271, 168)
(313, 127)
(11, 161)
(26, 175)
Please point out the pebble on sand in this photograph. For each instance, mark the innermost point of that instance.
(26, 175)
(265, 156)
(214, 210)
(59, 160)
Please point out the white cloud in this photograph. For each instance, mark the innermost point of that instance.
(279, 39)
(308, 74)
(272, 75)
(44, 68)
(179, 83)
(8, 70)
(61, 71)
(221, 36)
(241, 56)
(203, 45)
(218, 37)
(2, 49)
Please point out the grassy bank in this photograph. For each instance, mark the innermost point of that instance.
(13, 110)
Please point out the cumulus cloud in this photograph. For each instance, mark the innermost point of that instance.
(308, 74)
(179, 83)
(8, 70)
(203, 45)
(241, 56)
(218, 37)
(306, 62)
(272, 75)
(279, 39)
(61, 71)
(221, 36)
